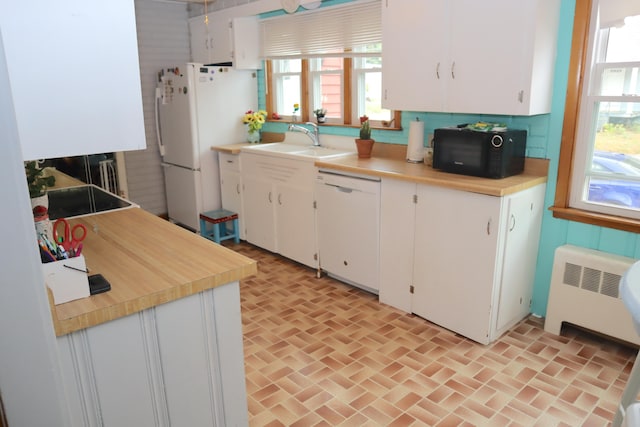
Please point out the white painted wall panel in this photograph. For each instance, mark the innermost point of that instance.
(163, 39)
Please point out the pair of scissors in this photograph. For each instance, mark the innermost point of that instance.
(71, 238)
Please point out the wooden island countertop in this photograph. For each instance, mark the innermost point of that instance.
(148, 261)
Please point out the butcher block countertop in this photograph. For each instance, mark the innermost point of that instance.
(392, 164)
(148, 261)
(389, 161)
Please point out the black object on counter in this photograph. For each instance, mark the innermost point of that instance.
(98, 284)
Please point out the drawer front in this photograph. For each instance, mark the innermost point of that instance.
(229, 161)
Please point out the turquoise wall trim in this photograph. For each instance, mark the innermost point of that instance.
(544, 135)
(556, 232)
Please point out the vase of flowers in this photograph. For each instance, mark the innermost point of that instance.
(364, 144)
(254, 122)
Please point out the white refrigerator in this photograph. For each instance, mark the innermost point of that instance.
(197, 107)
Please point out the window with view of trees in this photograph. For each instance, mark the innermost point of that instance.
(599, 171)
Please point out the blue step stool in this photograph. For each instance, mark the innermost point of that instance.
(219, 219)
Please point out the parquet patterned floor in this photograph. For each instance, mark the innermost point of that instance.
(322, 353)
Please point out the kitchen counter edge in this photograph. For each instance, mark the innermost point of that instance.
(152, 262)
(535, 173)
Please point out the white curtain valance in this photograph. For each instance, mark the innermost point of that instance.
(326, 31)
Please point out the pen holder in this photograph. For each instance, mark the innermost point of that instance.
(67, 279)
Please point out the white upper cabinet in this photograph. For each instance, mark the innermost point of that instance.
(75, 76)
(226, 40)
(464, 56)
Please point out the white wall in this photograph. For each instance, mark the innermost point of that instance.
(30, 382)
(163, 40)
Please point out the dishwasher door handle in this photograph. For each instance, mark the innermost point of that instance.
(340, 188)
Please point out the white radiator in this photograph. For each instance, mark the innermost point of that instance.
(584, 292)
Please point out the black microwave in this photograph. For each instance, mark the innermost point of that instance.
(489, 154)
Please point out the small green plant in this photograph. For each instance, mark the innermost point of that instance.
(38, 183)
(320, 112)
(365, 128)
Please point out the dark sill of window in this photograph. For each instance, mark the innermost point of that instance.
(337, 125)
(593, 218)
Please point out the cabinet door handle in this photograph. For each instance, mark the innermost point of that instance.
(513, 222)
(453, 70)
(489, 227)
(438, 71)
(270, 201)
(238, 188)
(280, 199)
(521, 96)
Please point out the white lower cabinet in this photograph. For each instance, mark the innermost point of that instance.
(180, 364)
(231, 186)
(462, 260)
(278, 203)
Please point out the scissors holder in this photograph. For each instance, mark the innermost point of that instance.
(67, 279)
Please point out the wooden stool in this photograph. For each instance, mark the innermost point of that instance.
(219, 219)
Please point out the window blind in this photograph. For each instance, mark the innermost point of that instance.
(332, 31)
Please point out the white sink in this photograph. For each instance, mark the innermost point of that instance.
(322, 152)
(276, 147)
(295, 151)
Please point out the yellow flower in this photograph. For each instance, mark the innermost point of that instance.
(254, 120)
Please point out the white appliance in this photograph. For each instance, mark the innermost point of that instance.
(348, 227)
(197, 107)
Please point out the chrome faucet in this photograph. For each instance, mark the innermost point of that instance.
(314, 135)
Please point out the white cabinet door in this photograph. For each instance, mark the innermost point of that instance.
(231, 192)
(397, 226)
(467, 57)
(220, 40)
(295, 223)
(199, 40)
(225, 40)
(523, 221)
(231, 186)
(415, 40)
(486, 53)
(91, 100)
(277, 201)
(457, 235)
(259, 213)
(245, 36)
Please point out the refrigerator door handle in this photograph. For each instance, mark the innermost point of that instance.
(157, 113)
(172, 165)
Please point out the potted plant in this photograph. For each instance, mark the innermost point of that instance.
(36, 179)
(364, 144)
(320, 114)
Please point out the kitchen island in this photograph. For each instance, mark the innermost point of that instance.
(164, 345)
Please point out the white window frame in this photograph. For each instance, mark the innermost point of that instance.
(315, 96)
(587, 122)
(358, 88)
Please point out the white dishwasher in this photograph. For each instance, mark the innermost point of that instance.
(348, 227)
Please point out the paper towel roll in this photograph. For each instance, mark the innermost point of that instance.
(415, 147)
